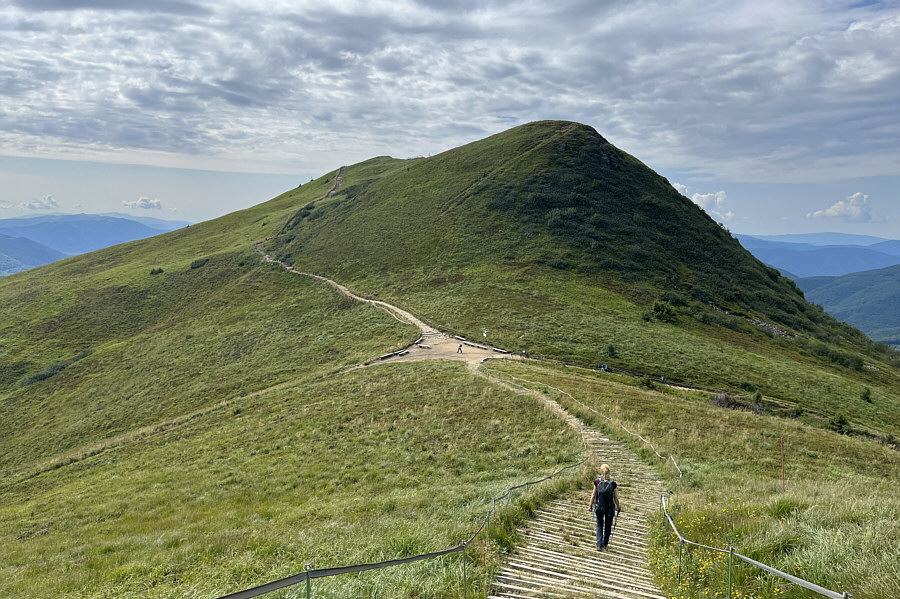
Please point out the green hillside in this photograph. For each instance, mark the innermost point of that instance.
(177, 417)
(561, 245)
(869, 300)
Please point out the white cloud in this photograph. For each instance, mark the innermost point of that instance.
(712, 203)
(855, 209)
(752, 89)
(44, 203)
(144, 204)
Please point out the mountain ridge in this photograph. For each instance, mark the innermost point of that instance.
(173, 410)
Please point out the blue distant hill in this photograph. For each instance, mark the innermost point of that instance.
(17, 254)
(821, 238)
(78, 233)
(810, 259)
(868, 300)
(32, 241)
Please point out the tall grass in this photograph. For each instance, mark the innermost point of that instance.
(380, 463)
(835, 525)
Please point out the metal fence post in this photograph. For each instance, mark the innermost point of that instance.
(730, 564)
(680, 548)
(465, 583)
(488, 536)
(307, 582)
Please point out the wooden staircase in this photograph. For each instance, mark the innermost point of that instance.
(559, 556)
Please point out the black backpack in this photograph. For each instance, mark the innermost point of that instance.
(604, 501)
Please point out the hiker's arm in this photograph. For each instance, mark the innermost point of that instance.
(616, 497)
(593, 498)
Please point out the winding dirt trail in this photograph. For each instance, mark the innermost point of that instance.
(433, 344)
(558, 558)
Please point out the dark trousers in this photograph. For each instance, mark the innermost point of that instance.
(604, 528)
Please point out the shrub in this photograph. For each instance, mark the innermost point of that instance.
(54, 368)
(611, 351)
(156, 271)
(663, 312)
(866, 395)
(840, 424)
(199, 262)
(557, 263)
(674, 298)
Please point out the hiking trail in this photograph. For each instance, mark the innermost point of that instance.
(558, 557)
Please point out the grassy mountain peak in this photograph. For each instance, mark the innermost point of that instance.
(180, 418)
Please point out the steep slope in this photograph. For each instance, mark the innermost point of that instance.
(559, 244)
(179, 418)
(868, 300)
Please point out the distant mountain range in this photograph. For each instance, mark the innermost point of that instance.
(17, 253)
(811, 258)
(868, 300)
(32, 241)
(858, 283)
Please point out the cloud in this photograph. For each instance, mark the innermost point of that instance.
(712, 203)
(144, 204)
(745, 90)
(43, 203)
(854, 209)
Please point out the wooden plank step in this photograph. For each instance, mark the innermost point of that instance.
(592, 572)
(613, 574)
(582, 562)
(598, 582)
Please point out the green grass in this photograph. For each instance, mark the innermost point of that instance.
(466, 240)
(192, 432)
(837, 524)
(375, 464)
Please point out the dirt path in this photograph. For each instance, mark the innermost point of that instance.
(338, 180)
(558, 557)
(433, 344)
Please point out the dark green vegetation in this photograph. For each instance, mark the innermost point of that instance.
(176, 419)
(868, 300)
(562, 245)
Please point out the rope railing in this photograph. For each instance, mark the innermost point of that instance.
(682, 541)
(309, 574)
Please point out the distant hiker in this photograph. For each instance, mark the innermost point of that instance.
(459, 349)
(604, 498)
(604, 368)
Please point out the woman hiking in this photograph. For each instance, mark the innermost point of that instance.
(603, 499)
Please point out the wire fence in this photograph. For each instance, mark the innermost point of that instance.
(682, 541)
(309, 574)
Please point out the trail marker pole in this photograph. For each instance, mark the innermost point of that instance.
(680, 549)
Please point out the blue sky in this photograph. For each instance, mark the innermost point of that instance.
(775, 116)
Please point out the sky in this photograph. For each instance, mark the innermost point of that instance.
(774, 116)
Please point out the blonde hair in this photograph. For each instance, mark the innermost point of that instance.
(604, 471)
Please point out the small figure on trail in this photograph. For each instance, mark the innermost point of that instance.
(604, 498)
(459, 349)
(604, 367)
